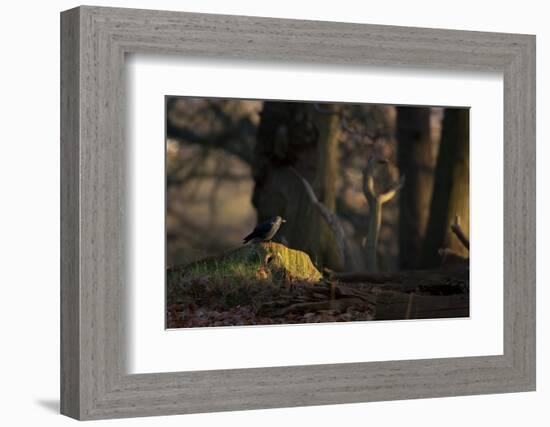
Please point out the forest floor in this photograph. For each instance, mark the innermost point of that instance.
(204, 302)
(263, 303)
(269, 283)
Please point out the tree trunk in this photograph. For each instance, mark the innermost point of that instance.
(373, 234)
(451, 193)
(416, 161)
(303, 137)
(327, 120)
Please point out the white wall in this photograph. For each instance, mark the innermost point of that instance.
(29, 228)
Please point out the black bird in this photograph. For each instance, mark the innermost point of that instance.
(265, 231)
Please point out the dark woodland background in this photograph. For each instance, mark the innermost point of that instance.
(231, 163)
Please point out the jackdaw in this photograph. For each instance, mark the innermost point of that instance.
(265, 231)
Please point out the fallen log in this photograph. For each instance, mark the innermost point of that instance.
(398, 306)
(428, 282)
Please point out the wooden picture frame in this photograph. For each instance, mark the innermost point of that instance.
(94, 382)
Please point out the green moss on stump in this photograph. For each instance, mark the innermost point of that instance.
(297, 263)
(269, 261)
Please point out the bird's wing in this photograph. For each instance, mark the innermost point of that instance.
(261, 230)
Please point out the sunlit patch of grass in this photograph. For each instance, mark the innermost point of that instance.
(250, 275)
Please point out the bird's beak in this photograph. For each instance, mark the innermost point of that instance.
(283, 220)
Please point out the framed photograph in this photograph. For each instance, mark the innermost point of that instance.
(265, 196)
(262, 213)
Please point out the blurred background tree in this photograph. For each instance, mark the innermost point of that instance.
(451, 189)
(416, 160)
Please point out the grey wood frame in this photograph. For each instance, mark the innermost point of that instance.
(94, 41)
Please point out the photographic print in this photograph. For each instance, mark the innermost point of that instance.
(290, 212)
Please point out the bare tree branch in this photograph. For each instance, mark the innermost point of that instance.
(459, 233)
(368, 180)
(376, 201)
(390, 194)
(232, 139)
(330, 218)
